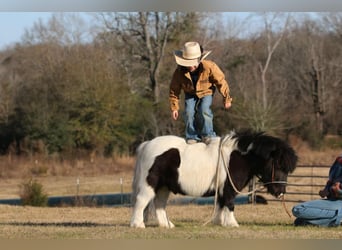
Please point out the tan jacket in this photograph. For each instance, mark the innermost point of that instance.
(210, 76)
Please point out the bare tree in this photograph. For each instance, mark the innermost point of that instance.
(145, 36)
(262, 105)
(273, 39)
(8, 79)
(65, 29)
(333, 22)
(314, 76)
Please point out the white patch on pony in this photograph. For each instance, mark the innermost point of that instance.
(225, 218)
(197, 172)
(250, 146)
(198, 167)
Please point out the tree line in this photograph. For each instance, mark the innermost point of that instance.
(70, 88)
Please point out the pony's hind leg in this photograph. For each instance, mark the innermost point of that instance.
(143, 198)
(160, 202)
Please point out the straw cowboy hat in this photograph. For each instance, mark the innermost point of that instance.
(191, 54)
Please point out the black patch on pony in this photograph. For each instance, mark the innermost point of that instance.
(164, 171)
(268, 147)
(269, 158)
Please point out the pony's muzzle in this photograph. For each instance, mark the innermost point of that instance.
(277, 190)
(280, 195)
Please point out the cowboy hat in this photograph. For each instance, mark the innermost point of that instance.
(191, 54)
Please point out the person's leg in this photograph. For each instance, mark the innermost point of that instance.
(204, 110)
(318, 212)
(189, 118)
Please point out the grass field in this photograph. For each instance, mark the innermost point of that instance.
(256, 222)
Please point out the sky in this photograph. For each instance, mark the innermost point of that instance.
(13, 21)
(13, 25)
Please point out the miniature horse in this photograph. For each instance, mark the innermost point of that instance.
(222, 167)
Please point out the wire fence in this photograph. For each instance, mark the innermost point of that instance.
(303, 184)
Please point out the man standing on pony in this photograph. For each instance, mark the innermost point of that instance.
(198, 78)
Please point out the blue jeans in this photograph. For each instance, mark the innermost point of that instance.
(326, 213)
(198, 117)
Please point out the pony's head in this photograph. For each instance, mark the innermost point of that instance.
(272, 159)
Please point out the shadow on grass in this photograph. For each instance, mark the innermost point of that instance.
(267, 224)
(57, 224)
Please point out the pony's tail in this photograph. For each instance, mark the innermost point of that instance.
(137, 173)
(149, 211)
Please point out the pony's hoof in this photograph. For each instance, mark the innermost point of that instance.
(233, 225)
(168, 225)
(228, 224)
(137, 225)
(171, 225)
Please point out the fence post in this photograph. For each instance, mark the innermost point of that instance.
(121, 189)
(77, 186)
(251, 186)
(77, 198)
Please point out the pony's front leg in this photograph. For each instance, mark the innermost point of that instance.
(225, 217)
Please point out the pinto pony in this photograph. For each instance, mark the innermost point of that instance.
(221, 168)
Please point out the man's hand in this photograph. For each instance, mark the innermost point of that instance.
(323, 193)
(336, 187)
(174, 115)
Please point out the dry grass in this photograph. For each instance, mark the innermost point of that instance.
(61, 178)
(324, 156)
(256, 222)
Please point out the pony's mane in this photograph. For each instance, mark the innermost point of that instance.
(267, 147)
